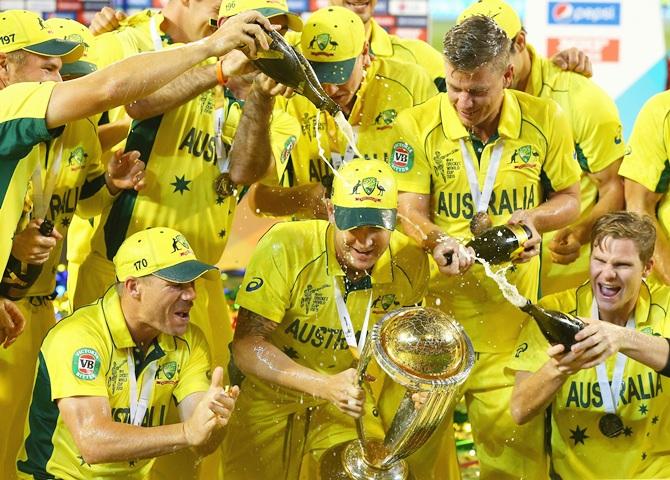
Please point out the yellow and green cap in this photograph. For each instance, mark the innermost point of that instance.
(267, 8)
(71, 30)
(332, 39)
(504, 15)
(162, 252)
(365, 193)
(23, 30)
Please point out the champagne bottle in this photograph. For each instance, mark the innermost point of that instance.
(500, 244)
(557, 327)
(288, 66)
(18, 276)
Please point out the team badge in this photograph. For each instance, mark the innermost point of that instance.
(402, 157)
(86, 364)
(288, 147)
(169, 369)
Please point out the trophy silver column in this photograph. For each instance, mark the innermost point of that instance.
(423, 350)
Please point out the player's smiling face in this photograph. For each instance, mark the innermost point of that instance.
(616, 275)
(359, 249)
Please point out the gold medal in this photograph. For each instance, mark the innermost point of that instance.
(480, 223)
(610, 425)
(223, 185)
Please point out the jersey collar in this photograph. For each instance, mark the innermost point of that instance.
(382, 272)
(116, 323)
(509, 125)
(380, 40)
(535, 78)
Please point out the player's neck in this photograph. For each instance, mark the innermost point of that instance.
(620, 316)
(170, 24)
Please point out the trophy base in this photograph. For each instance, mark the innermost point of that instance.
(345, 461)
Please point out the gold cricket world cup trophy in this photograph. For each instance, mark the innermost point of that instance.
(425, 351)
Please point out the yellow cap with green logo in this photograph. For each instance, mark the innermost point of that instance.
(74, 31)
(365, 194)
(332, 39)
(162, 252)
(23, 30)
(267, 8)
(504, 15)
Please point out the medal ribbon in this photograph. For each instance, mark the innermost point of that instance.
(222, 160)
(155, 36)
(610, 393)
(347, 326)
(42, 192)
(138, 406)
(482, 197)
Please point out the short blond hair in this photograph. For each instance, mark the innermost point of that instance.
(639, 229)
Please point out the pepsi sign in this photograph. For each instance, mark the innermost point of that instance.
(584, 13)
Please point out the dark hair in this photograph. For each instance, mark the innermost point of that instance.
(476, 41)
(629, 226)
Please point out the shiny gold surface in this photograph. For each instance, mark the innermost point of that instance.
(424, 342)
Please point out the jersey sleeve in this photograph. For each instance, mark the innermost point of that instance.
(597, 127)
(407, 157)
(265, 289)
(560, 170)
(646, 161)
(193, 375)
(76, 362)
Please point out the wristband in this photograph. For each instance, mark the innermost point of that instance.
(666, 370)
(220, 76)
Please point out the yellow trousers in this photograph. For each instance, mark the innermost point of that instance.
(17, 376)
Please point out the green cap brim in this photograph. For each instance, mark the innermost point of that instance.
(57, 47)
(78, 68)
(347, 218)
(294, 21)
(336, 73)
(187, 271)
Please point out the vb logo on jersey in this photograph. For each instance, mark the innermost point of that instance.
(402, 157)
(86, 364)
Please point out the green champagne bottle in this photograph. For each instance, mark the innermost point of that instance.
(557, 327)
(288, 66)
(500, 244)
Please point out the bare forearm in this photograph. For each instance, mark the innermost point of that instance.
(251, 154)
(610, 199)
(121, 83)
(179, 91)
(116, 442)
(415, 221)
(649, 350)
(303, 200)
(560, 210)
(533, 392)
(113, 133)
(256, 356)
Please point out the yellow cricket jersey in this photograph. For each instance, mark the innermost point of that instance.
(86, 354)
(536, 160)
(80, 187)
(646, 161)
(596, 131)
(289, 280)
(179, 150)
(413, 51)
(388, 88)
(578, 446)
(24, 134)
